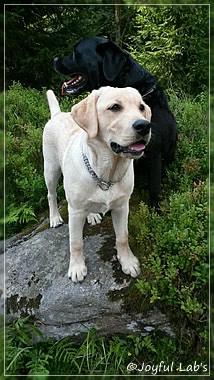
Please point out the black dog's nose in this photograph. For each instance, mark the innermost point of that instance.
(142, 126)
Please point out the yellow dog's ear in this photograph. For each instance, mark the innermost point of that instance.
(84, 114)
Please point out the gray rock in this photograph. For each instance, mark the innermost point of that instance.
(2, 288)
(37, 285)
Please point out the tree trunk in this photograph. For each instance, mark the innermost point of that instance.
(118, 22)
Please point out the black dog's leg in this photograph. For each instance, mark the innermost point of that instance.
(154, 177)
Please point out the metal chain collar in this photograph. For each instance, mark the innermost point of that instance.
(104, 185)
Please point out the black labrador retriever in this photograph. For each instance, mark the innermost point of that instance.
(97, 62)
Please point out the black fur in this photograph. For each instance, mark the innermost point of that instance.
(100, 62)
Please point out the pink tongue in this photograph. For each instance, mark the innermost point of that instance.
(137, 147)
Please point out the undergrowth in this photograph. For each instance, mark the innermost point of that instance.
(173, 249)
(95, 355)
(26, 193)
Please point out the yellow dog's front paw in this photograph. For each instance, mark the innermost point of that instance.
(77, 272)
(130, 265)
(56, 221)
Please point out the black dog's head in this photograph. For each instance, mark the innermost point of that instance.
(97, 62)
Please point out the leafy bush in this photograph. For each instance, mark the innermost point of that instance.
(1, 165)
(191, 158)
(29, 31)
(96, 355)
(172, 42)
(174, 253)
(27, 112)
(173, 249)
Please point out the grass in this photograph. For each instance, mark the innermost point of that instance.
(95, 355)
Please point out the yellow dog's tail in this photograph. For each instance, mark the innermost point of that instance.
(53, 103)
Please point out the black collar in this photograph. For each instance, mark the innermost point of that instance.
(148, 92)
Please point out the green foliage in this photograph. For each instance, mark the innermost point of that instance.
(191, 160)
(25, 188)
(173, 248)
(1, 165)
(19, 343)
(172, 42)
(174, 253)
(29, 31)
(21, 215)
(26, 114)
(95, 355)
(1, 346)
(28, 354)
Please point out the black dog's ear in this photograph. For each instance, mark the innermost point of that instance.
(114, 59)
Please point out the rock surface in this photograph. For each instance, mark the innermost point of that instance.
(2, 288)
(37, 285)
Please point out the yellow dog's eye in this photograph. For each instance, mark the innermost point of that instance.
(115, 107)
(142, 107)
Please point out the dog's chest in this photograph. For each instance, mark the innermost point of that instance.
(103, 201)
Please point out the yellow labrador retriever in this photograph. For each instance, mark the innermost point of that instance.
(94, 146)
